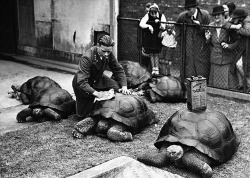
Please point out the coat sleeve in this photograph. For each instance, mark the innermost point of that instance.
(227, 25)
(180, 19)
(118, 71)
(143, 23)
(245, 29)
(83, 74)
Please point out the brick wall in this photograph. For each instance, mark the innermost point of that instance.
(171, 8)
(127, 39)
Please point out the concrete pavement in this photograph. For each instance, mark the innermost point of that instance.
(17, 69)
(12, 72)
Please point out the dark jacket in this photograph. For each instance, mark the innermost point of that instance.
(244, 33)
(152, 42)
(90, 77)
(197, 52)
(91, 69)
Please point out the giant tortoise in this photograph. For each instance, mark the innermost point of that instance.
(137, 75)
(49, 104)
(194, 140)
(117, 119)
(28, 89)
(166, 89)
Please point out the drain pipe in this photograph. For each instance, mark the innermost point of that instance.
(114, 11)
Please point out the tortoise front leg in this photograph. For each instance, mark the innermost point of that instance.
(118, 133)
(152, 96)
(198, 162)
(22, 115)
(157, 158)
(84, 127)
(50, 113)
(102, 127)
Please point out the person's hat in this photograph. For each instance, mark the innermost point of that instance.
(154, 7)
(237, 13)
(231, 6)
(191, 3)
(218, 10)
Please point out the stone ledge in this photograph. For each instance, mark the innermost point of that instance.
(48, 63)
(124, 167)
(72, 68)
(229, 94)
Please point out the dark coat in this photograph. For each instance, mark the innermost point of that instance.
(197, 52)
(90, 78)
(152, 42)
(244, 33)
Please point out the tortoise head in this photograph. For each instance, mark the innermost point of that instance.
(16, 92)
(37, 113)
(175, 152)
(16, 88)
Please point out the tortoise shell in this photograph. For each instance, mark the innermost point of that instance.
(210, 132)
(127, 109)
(34, 85)
(136, 74)
(55, 98)
(168, 88)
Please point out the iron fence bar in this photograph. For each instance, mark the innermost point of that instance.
(139, 43)
(183, 51)
(125, 18)
(247, 57)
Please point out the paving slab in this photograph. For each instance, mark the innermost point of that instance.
(124, 167)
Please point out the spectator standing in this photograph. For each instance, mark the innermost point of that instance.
(229, 7)
(226, 13)
(151, 42)
(197, 53)
(90, 80)
(168, 48)
(222, 73)
(147, 7)
(241, 24)
(146, 57)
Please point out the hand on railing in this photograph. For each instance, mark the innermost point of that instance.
(237, 27)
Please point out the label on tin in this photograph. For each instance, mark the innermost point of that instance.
(197, 94)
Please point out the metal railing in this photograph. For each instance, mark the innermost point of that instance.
(194, 55)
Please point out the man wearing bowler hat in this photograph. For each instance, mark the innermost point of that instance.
(241, 23)
(197, 51)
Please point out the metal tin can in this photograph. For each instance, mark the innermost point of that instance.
(197, 93)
